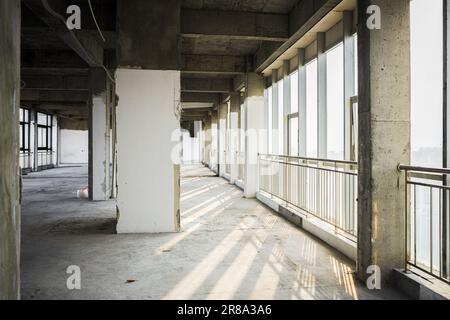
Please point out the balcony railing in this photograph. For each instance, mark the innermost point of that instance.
(45, 159)
(325, 189)
(26, 161)
(427, 201)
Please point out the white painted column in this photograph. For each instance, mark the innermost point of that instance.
(255, 140)
(234, 137)
(222, 137)
(100, 149)
(214, 142)
(148, 178)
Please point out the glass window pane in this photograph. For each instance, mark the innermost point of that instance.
(27, 143)
(311, 109)
(42, 119)
(294, 92)
(280, 117)
(270, 118)
(21, 114)
(335, 103)
(21, 137)
(293, 136)
(426, 83)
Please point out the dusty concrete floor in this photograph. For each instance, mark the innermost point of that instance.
(230, 248)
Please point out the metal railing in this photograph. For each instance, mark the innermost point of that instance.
(323, 188)
(427, 196)
(45, 159)
(26, 161)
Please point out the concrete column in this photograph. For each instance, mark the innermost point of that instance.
(214, 154)
(222, 137)
(234, 136)
(100, 140)
(148, 131)
(207, 151)
(9, 146)
(99, 137)
(148, 177)
(255, 141)
(384, 136)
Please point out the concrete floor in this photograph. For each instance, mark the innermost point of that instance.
(230, 248)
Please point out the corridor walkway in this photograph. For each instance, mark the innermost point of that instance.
(230, 248)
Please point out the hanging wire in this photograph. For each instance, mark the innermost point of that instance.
(80, 45)
(95, 20)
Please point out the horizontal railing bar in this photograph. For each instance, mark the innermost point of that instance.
(422, 184)
(311, 159)
(315, 168)
(402, 167)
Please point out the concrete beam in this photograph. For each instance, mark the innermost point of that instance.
(49, 82)
(200, 97)
(30, 95)
(231, 65)
(53, 71)
(205, 85)
(302, 18)
(234, 25)
(51, 59)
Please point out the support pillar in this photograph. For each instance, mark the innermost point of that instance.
(9, 150)
(99, 137)
(223, 110)
(148, 131)
(384, 137)
(234, 136)
(255, 141)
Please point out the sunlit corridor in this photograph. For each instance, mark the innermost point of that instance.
(229, 248)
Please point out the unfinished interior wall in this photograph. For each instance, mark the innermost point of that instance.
(148, 198)
(74, 146)
(9, 149)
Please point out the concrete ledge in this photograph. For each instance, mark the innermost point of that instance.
(239, 184)
(420, 288)
(313, 225)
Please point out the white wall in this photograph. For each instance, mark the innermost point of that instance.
(148, 196)
(192, 146)
(74, 146)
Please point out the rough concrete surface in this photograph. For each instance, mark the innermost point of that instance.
(230, 247)
(9, 149)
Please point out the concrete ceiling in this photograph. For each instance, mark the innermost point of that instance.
(220, 41)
